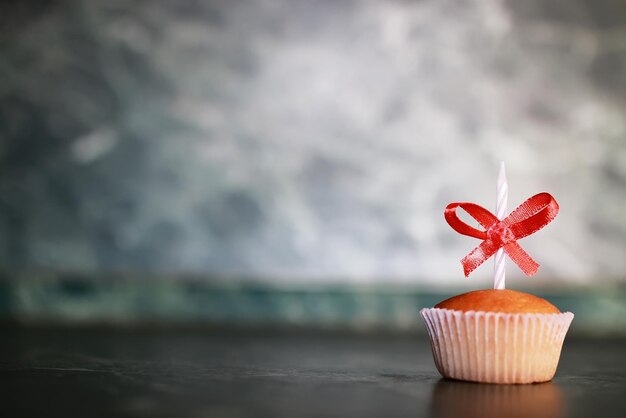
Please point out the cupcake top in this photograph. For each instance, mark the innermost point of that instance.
(498, 300)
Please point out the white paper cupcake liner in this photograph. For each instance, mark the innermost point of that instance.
(496, 347)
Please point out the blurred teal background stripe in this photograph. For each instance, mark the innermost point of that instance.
(128, 300)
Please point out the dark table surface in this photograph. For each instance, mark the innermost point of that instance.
(82, 373)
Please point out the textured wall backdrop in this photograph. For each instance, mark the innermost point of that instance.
(308, 140)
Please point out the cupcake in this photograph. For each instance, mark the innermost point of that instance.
(496, 336)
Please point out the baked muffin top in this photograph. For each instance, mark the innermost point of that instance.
(494, 300)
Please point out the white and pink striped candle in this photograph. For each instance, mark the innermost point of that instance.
(499, 270)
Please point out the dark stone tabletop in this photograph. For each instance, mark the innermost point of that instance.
(80, 373)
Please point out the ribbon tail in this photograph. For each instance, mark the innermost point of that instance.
(521, 258)
(478, 256)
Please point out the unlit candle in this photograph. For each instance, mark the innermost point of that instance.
(499, 271)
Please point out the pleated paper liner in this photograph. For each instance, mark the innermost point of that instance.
(493, 347)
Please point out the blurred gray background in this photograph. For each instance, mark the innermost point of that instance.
(307, 141)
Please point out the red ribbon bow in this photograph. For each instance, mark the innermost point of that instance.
(528, 218)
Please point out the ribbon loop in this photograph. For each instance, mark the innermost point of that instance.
(528, 218)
